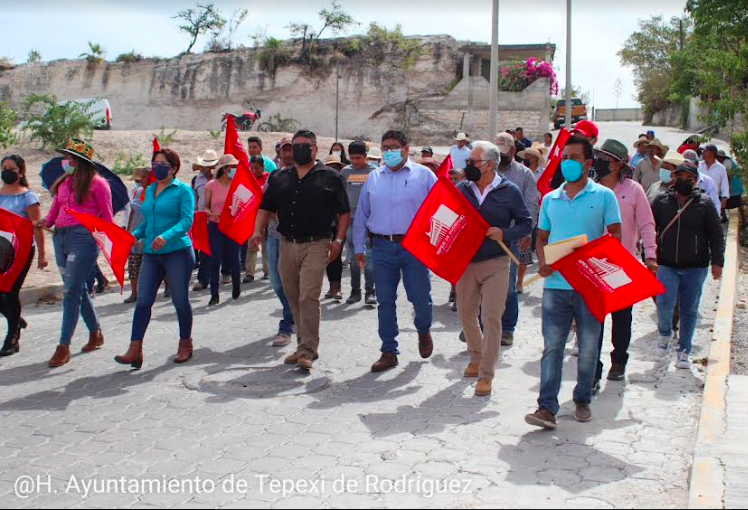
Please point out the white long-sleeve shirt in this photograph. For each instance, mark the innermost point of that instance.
(718, 173)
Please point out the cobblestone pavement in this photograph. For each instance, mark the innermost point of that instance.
(346, 442)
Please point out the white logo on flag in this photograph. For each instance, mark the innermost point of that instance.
(604, 274)
(241, 205)
(446, 226)
(104, 243)
(10, 236)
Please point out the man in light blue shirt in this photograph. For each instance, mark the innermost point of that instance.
(390, 199)
(579, 207)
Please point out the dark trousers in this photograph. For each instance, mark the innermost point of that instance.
(335, 270)
(96, 277)
(226, 252)
(10, 302)
(621, 340)
(203, 271)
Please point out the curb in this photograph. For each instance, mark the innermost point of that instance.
(35, 294)
(707, 487)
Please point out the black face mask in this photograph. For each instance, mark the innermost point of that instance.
(506, 160)
(684, 187)
(302, 154)
(527, 163)
(9, 177)
(602, 169)
(473, 173)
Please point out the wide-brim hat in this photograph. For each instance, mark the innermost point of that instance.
(532, 151)
(375, 153)
(640, 141)
(674, 158)
(657, 143)
(226, 160)
(79, 149)
(334, 161)
(209, 159)
(617, 151)
(461, 137)
(540, 147)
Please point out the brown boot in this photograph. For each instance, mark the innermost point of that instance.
(472, 371)
(61, 357)
(484, 388)
(184, 354)
(294, 358)
(95, 342)
(133, 357)
(386, 362)
(425, 345)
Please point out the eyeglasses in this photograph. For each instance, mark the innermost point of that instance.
(472, 162)
(387, 148)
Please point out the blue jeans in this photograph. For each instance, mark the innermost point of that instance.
(286, 326)
(511, 314)
(96, 277)
(177, 266)
(356, 269)
(226, 253)
(686, 284)
(391, 261)
(76, 253)
(560, 307)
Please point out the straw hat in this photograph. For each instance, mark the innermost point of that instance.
(79, 149)
(533, 151)
(641, 140)
(209, 159)
(334, 162)
(664, 149)
(461, 137)
(226, 160)
(374, 154)
(674, 158)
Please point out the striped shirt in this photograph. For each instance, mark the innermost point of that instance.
(522, 177)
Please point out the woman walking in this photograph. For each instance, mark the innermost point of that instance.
(82, 190)
(16, 198)
(224, 249)
(134, 219)
(168, 214)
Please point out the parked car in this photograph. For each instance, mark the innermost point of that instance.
(578, 112)
(101, 110)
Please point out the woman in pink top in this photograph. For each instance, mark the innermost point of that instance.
(81, 190)
(611, 164)
(216, 193)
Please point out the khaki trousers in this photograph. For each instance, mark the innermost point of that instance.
(251, 265)
(483, 290)
(302, 270)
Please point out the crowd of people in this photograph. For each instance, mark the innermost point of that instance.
(663, 206)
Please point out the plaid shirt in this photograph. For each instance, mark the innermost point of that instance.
(520, 175)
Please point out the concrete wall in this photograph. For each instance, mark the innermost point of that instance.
(619, 114)
(672, 116)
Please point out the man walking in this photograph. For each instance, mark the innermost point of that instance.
(711, 167)
(308, 198)
(579, 207)
(355, 176)
(460, 151)
(389, 201)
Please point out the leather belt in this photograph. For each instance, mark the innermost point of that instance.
(307, 239)
(391, 238)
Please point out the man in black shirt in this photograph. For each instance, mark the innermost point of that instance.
(308, 197)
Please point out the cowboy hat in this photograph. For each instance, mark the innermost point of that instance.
(533, 151)
(617, 151)
(641, 140)
(226, 160)
(461, 137)
(79, 149)
(540, 147)
(664, 149)
(374, 154)
(674, 158)
(209, 159)
(334, 161)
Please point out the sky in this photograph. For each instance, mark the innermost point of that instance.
(599, 28)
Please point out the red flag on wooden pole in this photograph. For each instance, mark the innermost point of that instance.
(199, 233)
(16, 241)
(554, 160)
(447, 232)
(445, 167)
(151, 178)
(115, 242)
(243, 202)
(608, 277)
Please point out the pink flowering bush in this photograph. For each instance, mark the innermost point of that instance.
(517, 77)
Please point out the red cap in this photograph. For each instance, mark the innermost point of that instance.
(587, 128)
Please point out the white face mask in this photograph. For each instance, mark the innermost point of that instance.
(728, 164)
(337, 154)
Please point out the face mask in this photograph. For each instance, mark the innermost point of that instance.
(9, 177)
(67, 167)
(666, 176)
(728, 164)
(572, 170)
(527, 163)
(161, 171)
(684, 187)
(337, 154)
(602, 169)
(232, 173)
(506, 160)
(302, 154)
(473, 173)
(393, 159)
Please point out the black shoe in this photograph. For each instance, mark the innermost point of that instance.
(248, 279)
(214, 301)
(463, 338)
(507, 339)
(167, 293)
(355, 298)
(371, 299)
(617, 373)
(596, 387)
(12, 346)
(237, 292)
(452, 296)
(265, 277)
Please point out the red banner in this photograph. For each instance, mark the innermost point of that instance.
(447, 232)
(152, 178)
(608, 277)
(445, 167)
(115, 242)
(554, 160)
(16, 241)
(243, 202)
(199, 234)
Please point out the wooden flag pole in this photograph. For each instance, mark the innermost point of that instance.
(509, 253)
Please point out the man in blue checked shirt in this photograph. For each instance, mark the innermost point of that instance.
(389, 201)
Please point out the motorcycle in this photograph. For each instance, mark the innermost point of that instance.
(246, 121)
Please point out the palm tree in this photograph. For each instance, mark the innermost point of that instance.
(95, 54)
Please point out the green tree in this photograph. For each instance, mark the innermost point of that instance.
(334, 19)
(223, 40)
(8, 118)
(53, 123)
(202, 19)
(34, 57)
(95, 54)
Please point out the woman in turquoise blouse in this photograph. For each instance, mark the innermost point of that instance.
(168, 213)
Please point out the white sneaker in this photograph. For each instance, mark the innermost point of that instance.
(282, 340)
(684, 361)
(663, 347)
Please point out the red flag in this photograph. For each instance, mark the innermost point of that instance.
(114, 242)
(243, 202)
(554, 160)
(608, 277)
(152, 178)
(445, 167)
(16, 241)
(445, 219)
(199, 234)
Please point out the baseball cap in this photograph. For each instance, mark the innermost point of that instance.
(505, 142)
(688, 167)
(286, 140)
(427, 149)
(587, 128)
(691, 155)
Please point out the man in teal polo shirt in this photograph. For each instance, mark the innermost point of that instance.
(579, 207)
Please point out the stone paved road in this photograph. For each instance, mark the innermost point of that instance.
(92, 421)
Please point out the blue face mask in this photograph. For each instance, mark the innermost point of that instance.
(67, 167)
(161, 171)
(666, 176)
(232, 173)
(572, 170)
(393, 159)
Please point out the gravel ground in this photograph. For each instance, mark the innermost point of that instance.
(740, 337)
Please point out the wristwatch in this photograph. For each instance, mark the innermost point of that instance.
(341, 242)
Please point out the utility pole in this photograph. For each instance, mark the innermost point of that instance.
(569, 106)
(494, 96)
(337, 98)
